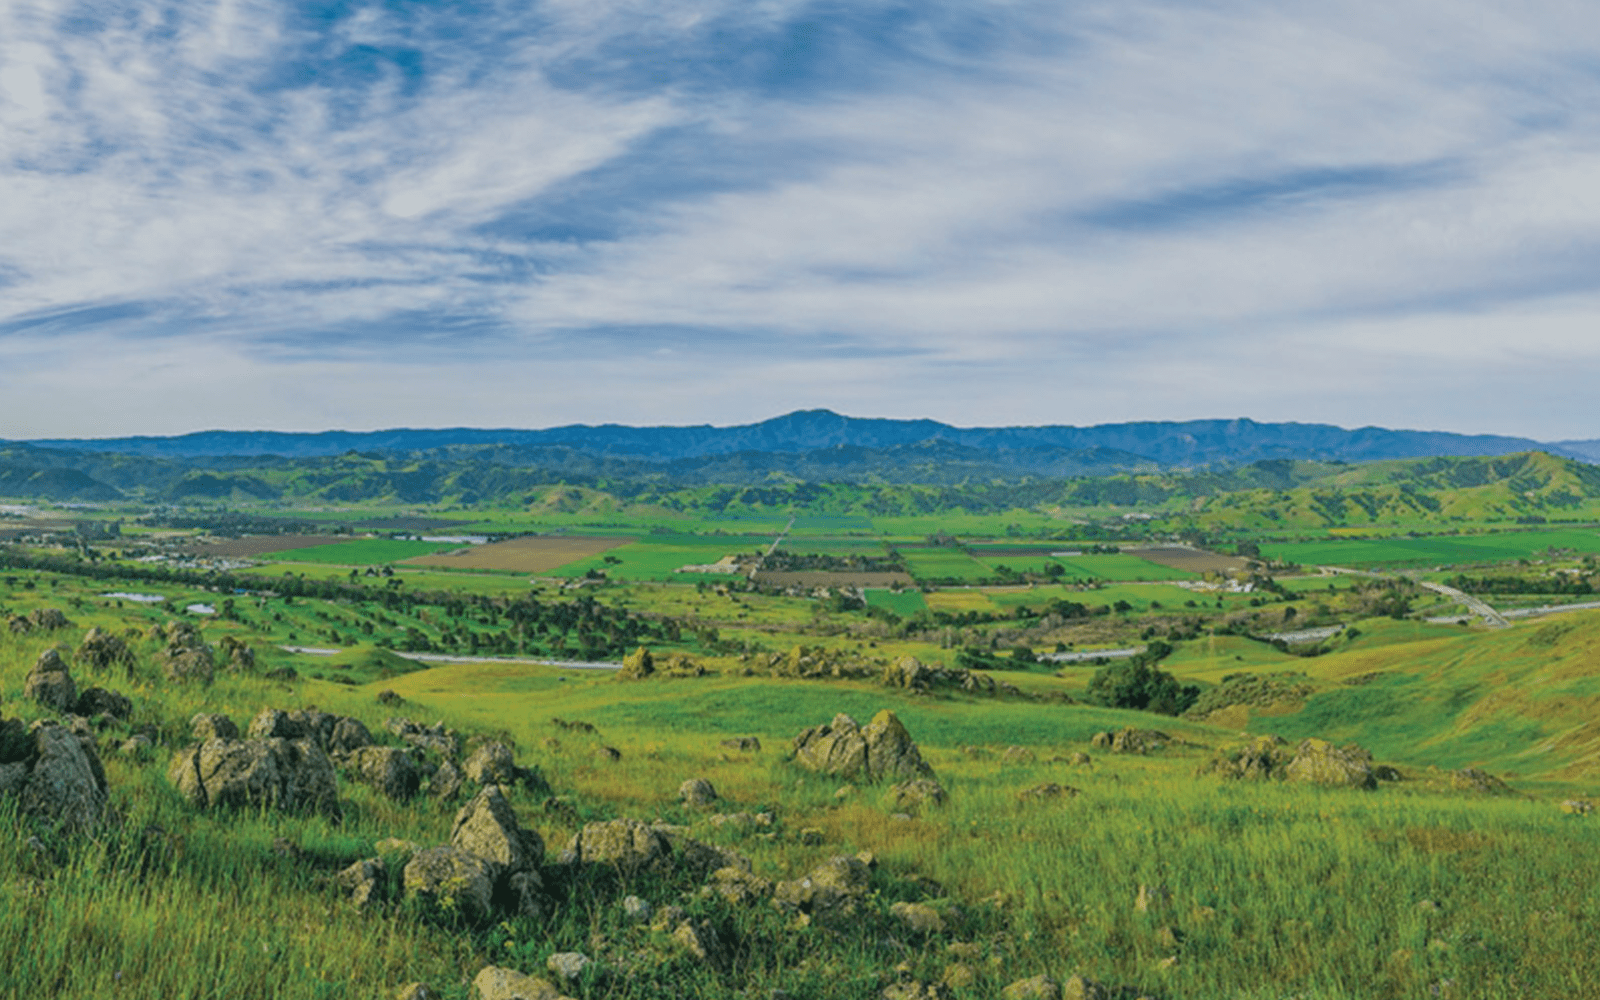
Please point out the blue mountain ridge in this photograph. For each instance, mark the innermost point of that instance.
(1170, 444)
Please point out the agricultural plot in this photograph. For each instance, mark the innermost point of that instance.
(825, 578)
(1434, 550)
(944, 564)
(1122, 567)
(1190, 560)
(262, 545)
(660, 556)
(904, 603)
(960, 601)
(1140, 597)
(363, 552)
(533, 554)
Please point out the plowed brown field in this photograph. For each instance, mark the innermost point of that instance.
(533, 554)
(1190, 560)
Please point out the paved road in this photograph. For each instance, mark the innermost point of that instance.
(1307, 634)
(564, 664)
(1490, 616)
(1109, 654)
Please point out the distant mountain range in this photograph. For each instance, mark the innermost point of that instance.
(1185, 444)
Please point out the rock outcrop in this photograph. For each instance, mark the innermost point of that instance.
(100, 650)
(625, 844)
(637, 665)
(99, 701)
(287, 775)
(835, 887)
(1132, 740)
(388, 769)
(491, 865)
(55, 773)
(1320, 762)
(453, 880)
(491, 764)
(212, 726)
(697, 792)
(187, 658)
(883, 749)
(50, 684)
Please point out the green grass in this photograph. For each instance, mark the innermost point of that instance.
(659, 557)
(365, 552)
(1437, 549)
(941, 564)
(904, 603)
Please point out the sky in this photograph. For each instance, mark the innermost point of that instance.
(304, 216)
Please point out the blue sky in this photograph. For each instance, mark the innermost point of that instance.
(311, 215)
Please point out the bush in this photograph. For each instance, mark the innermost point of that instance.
(1138, 683)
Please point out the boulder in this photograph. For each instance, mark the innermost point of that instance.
(491, 764)
(913, 796)
(65, 786)
(698, 859)
(454, 880)
(187, 664)
(1018, 755)
(364, 881)
(1472, 779)
(348, 735)
(287, 775)
(916, 990)
(212, 726)
(16, 743)
(488, 828)
(919, 918)
(881, 749)
(568, 964)
(496, 983)
(523, 894)
(1320, 762)
(1048, 790)
(1132, 740)
(236, 655)
(1079, 988)
(434, 739)
(608, 755)
(388, 769)
(697, 792)
(699, 939)
(837, 885)
(909, 672)
(49, 619)
(740, 886)
(99, 701)
(49, 684)
(1035, 988)
(100, 649)
(625, 844)
(446, 781)
(1259, 759)
(748, 744)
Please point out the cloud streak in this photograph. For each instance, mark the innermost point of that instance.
(1353, 212)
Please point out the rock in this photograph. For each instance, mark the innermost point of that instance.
(446, 781)
(138, 745)
(1259, 759)
(919, 918)
(1036, 988)
(1079, 988)
(1320, 762)
(487, 827)
(917, 991)
(49, 684)
(1101, 740)
(524, 894)
(434, 739)
(909, 672)
(697, 792)
(183, 661)
(883, 749)
(1078, 758)
(416, 991)
(100, 649)
(608, 755)
(667, 918)
(626, 844)
(1131, 740)
(13, 777)
(740, 886)
(364, 881)
(700, 940)
(1048, 790)
(49, 619)
(66, 786)
(283, 674)
(491, 764)
(698, 859)
(1018, 755)
(636, 666)
(1472, 779)
(16, 743)
(388, 769)
(388, 697)
(812, 836)
(287, 775)
(212, 726)
(747, 744)
(959, 976)
(496, 983)
(1577, 807)
(637, 909)
(99, 701)
(913, 796)
(453, 880)
(236, 655)
(836, 885)
(395, 851)
(568, 964)
(1383, 772)
(349, 735)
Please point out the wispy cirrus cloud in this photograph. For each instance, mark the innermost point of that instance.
(711, 211)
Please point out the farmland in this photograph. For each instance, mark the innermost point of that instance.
(363, 552)
(1435, 549)
(535, 554)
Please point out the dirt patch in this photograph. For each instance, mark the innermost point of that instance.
(1189, 560)
(260, 545)
(532, 554)
(825, 579)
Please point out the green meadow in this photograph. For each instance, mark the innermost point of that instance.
(1435, 549)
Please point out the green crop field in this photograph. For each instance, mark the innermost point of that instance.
(1436, 549)
(904, 603)
(941, 563)
(362, 552)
